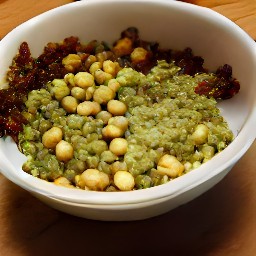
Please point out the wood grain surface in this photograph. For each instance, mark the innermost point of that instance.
(242, 12)
(15, 12)
(221, 222)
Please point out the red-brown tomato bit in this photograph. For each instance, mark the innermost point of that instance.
(223, 86)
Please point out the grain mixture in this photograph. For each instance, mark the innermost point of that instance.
(123, 118)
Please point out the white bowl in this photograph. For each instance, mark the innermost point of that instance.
(174, 25)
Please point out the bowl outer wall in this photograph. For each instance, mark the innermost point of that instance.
(225, 36)
(130, 212)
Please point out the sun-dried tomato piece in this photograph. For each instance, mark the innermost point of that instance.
(188, 62)
(131, 33)
(12, 124)
(24, 59)
(222, 86)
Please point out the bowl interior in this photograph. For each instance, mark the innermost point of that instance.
(174, 25)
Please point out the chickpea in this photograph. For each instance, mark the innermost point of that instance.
(102, 56)
(88, 108)
(116, 107)
(52, 137)
(91, 59)
(78, 93)
(89, 93)
(123, 47)
(111, 131)
(69, 103)
(119, 121)
(69, 79)
(85, 108)
(80, 182)
(103, 94)
(84, 80)
(113, 84)
(139, 54)
(200, 135)
(101, 76)
(62, 181)
(118, 146)
(118, 67)
(104, 116)
(124, 180)
(71, 62)
(109, 67)
(95, 180)
(96, 108)
(64, 151)
(95, 66)
(170, 165)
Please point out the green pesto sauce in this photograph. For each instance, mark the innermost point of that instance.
(163, 112)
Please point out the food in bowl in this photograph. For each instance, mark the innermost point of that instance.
(190, 25)
(127, 117)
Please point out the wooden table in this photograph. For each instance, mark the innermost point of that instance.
(221, 222)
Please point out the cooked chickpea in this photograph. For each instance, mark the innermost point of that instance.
(89, 92)
(64, 151)
(119, 121)
(88, 62)
(104, 116)
(85, 108)
(102, 56)
(103, 94)
(118, 146)
(78, 93)
(111, 131)
(124, 180)
(96, 108)
(80, 182)
(94, 179)
(62, 181)
(84, 80)
(71, 62)
(101, 76)
(200, 135)
(113, 84)
(118, 67)
(109, 67)
(116, 107)
(170, 165)
(95, 66)
(139, 54)
(69, 79)
(52, 137)
(123, 47)
(69, 103)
